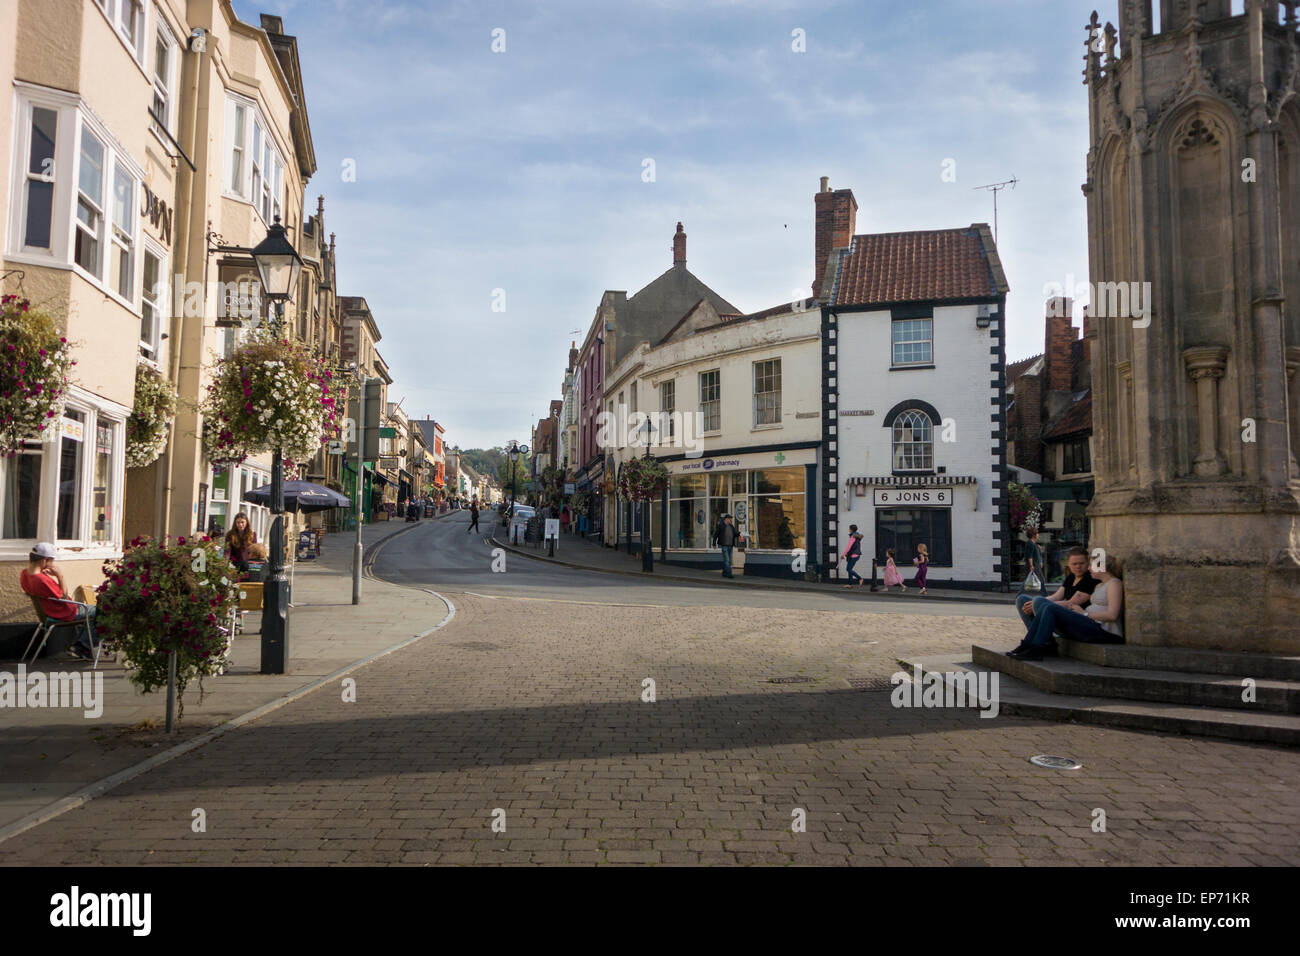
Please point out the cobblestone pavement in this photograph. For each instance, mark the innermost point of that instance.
(534, 708)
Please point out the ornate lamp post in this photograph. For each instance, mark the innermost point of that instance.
(513, 451)
(278, 265)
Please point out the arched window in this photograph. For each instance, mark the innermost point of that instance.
(913, 445)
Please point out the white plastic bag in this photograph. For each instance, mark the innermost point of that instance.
(1032, 583)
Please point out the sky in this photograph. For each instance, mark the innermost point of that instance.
(451, 171)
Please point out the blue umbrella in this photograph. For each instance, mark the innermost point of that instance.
(301, 496)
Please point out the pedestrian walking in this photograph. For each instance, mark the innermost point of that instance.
(852, 553)
(1036, 576)
(564, 520)
(892, 575)
(728, 535)
(473, 517)
(922, 562)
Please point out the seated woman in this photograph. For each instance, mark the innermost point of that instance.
(1101, 623)
(238, 540)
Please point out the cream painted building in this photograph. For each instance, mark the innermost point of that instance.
(735, 408)
(87, 201)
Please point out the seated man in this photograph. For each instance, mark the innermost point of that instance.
(1076, 589)
(42, 580)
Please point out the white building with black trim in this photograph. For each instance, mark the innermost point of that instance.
(913, 392)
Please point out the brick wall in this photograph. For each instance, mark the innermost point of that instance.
(836, 214)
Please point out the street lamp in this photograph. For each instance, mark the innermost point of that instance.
(513, 451)
(278, 265)
(647, 545)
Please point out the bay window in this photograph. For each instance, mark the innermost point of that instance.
(67, 488)
(255, 170)
(77, 193)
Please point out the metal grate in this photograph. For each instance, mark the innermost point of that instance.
(790, 680)
(871, 683)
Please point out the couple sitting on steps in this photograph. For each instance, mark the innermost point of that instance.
(1088, 607)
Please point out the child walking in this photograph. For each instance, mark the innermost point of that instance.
(892, 575)
(922, 562)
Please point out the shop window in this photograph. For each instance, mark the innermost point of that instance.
(904, 528)
(72, 436)
(20, 485)
(101, 502)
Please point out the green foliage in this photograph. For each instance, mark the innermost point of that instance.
(157, 598)
(146, 429)
(35, 363)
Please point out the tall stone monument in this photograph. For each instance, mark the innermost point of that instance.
(1193, 192)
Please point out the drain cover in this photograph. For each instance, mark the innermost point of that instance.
(1055, 763)
(789, 680)
(871, 683)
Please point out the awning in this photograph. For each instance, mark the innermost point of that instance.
(379, 478)
(916, 481)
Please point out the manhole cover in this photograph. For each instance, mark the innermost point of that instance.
(789, 680)
(1055, 763)
(871, 683)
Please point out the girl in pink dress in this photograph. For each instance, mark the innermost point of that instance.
(892, 575)
(922, 562)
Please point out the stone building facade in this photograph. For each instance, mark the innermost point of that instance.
(1193, 195)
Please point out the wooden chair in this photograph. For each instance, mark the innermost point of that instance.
(250, 599)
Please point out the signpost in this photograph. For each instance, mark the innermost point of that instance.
(552, 535)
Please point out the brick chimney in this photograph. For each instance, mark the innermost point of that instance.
(679, 247)
(1060, 335)
(836, 219)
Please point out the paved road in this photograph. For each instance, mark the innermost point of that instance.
(442, 555)
(531, 710)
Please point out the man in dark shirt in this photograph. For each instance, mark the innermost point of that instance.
(1077, 588)
(728, 535)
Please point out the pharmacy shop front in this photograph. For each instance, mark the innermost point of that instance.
(765, 492)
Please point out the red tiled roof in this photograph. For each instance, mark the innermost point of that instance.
(919, 267)
(1077, 418)
(1016, 369)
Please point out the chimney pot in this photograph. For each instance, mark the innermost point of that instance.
(826, 184)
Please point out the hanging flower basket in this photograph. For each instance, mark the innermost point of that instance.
(35, 362)
(155, 407)
(270, 394)
(641, 478)
(1026, 511)
(158, 598)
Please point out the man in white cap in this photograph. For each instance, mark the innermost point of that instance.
(42, 580)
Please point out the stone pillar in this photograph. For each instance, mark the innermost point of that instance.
(1293, 403)
(1205, 365)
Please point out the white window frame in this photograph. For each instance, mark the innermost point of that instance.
(668, 402)
(151, 350)
(776, 422)
(259, 154)
(164, 88)
(28, 98)
(94, 409)
(135, 45)
(126, 242)
(704, 403)
(894, 343)
(908, 420)
(74, 118)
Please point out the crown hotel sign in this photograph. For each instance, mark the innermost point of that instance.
(240, 297)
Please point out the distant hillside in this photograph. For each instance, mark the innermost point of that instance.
(485, 461)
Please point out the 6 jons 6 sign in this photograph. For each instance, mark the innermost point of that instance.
(892, 497)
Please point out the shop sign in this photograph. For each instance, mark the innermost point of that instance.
(893, 497)
(155, 209)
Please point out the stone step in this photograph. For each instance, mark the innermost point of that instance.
(1019, 699)
(1065, 675)
(1232, 663)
